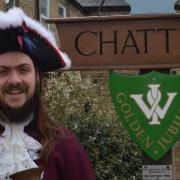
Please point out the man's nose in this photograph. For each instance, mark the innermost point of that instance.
(14, 77)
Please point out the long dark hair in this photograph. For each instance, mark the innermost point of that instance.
(49, 131)
(48, 128)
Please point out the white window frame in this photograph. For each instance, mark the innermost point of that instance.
(64, 9)
(42, 16)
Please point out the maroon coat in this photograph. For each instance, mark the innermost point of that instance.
(67, 161)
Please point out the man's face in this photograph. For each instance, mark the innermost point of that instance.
(17, 79)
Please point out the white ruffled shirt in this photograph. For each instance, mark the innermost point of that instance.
(17, 149)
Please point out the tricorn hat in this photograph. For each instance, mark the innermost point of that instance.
(19, 32)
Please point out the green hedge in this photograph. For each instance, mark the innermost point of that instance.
(78, 104)
(109, 147)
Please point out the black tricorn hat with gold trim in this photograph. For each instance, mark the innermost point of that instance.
(19, 32)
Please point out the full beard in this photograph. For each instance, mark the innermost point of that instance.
(17, 115)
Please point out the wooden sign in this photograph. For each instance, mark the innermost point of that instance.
(121, 42)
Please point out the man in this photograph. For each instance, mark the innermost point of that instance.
(29, 137)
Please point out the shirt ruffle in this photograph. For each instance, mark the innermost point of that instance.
(17, 149)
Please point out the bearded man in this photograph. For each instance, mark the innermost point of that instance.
(29, 137)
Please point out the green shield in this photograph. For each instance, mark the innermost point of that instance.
(149, 107)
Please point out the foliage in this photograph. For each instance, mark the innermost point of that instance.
(79, 104)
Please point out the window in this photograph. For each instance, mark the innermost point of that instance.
(9, 4)
(44, 11)
(61, 10)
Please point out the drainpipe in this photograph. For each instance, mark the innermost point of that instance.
(37, 10)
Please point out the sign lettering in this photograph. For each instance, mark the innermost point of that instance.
(121, 42)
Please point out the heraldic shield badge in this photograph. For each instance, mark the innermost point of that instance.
(149, 107)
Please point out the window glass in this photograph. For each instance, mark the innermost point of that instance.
(61, 10)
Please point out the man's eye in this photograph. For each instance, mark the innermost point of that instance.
(25, 70)
(3, 71)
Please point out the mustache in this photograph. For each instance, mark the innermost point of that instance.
(15, 87)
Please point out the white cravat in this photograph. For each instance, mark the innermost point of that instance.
(17, 149)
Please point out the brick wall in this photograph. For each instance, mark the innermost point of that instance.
(53, 9)
(2, 5)
(73, 11)
(28, 6)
